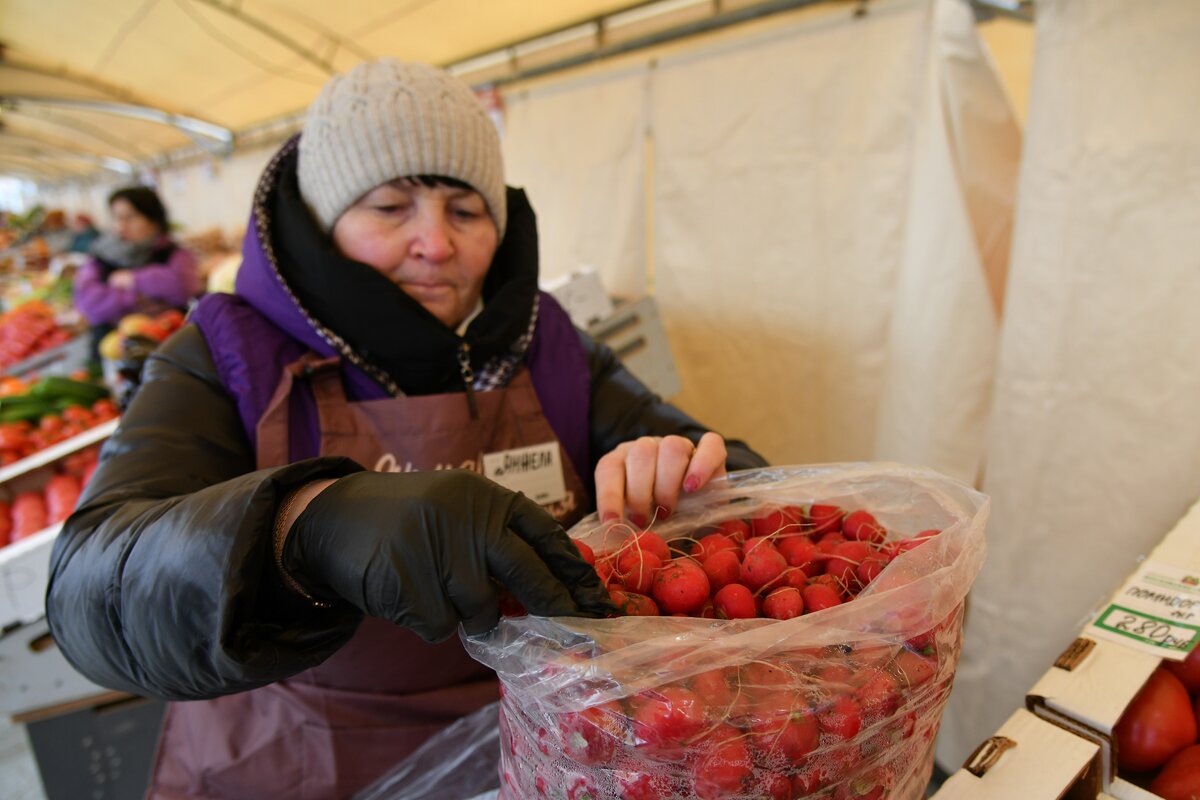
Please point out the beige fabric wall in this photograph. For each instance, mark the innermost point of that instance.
(214, 194)
(1094, 450)
(815, 260)
(577, 146)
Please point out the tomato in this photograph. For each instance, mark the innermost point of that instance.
(1188, 671)
(1180, 778)
(1156, 725)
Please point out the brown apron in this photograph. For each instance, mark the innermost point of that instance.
(331, 731)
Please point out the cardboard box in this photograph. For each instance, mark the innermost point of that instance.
(34, 674)
(1027, 759)
(1088, 689)
(1093, 681)
(24, 575)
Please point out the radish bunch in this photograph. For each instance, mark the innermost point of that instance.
(845, 723)
(788, 633)
(781, 563)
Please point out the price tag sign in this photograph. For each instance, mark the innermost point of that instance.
(536, 471)
(1157, 611)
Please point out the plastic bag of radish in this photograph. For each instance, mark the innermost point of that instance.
(791, 632)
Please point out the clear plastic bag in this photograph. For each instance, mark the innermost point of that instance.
(843, 703)
(456, 764)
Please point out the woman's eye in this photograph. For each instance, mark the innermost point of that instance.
(390, 208)
(467, 213)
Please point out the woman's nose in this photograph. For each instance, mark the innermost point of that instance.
(432, 238)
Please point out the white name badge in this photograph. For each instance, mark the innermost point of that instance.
(535, 471)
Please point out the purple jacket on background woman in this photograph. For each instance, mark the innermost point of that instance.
(168, 279)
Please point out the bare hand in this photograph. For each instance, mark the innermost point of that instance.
(647, 474)
(121, 279)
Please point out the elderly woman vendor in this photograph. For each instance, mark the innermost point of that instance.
(293, 518)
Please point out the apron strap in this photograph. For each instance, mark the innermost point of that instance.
(274, 431)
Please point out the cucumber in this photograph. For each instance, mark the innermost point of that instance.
(56, 387)
(24, 412)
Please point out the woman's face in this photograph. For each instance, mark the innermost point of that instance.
(434, 242)
(131, 225)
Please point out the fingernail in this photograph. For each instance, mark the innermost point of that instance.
(664, 513)
(609, 516)
(638, 519)
(691, 484)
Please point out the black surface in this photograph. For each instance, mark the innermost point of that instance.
(101, 753)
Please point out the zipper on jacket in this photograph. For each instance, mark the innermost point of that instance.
(468, 376)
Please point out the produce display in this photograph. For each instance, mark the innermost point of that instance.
(1157, 736)
(789, 633)
(48, 411)
(138, 334)
(33, 511)
(27, 330)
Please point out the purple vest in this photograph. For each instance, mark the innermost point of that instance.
(250, 351)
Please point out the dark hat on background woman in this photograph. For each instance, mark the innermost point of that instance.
(145, 201)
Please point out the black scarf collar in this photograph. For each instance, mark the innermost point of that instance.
(383, 325)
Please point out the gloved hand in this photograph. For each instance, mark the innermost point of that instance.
(420, 549)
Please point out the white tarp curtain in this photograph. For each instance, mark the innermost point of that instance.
(578, 149)
(821, 190)
(1094, 450)
(215, 194)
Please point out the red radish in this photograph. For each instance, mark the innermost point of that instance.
(835, 675)
(904, 545)
(802, 552)
(713, 543)
(820, 596)
(870, 568)
(777, 522)
(862, 526)
(763, 673)
(878, 693)
(725, 768)
(680, 586)
(591, 736)
(813, 777)
(665, 718)
(762, 566)
(650, 542)
(637, 568)
(722, 568)
(825, 518)
(841, 718)
(714, 687)
(606, 570)
(914, 669)
(632, 604)
(844, 561)
(774, 786)
(735, 529)
(829, 541)
(638, 786)
(789, 731)
(734, 601)
(784, 603)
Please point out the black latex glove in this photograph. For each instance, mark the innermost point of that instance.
(420, 549)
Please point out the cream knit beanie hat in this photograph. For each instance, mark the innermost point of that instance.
(386, 119)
